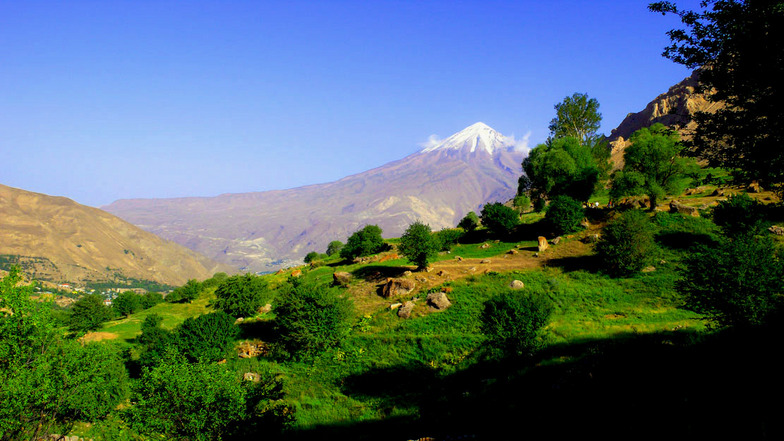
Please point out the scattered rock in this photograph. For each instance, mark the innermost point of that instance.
(512, 252)
(447, 289)
(485, 261)
(421, 279)
(407, 273)
(458, 258)
(428, 269)
(404, 312)
(438, 300)
(239, 320)
(754, 187)
(250, 349)
(649, 269)
(392, 256)
(542, 243)
(584, 223)
(341, 278)
(557, 240)
(777, 230)
(394, 306)
(265, 309)
(442, 273)
(718, 192)
(517, 284)
(690, 191)
(484, 246)
(591, 238)
(296, 273)
(472, 269)
(662, 262)
(677, 207)
(397, 287)
(251, 376)
(279, 272)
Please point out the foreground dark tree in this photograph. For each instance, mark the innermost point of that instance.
(208, 337)
(241, 295)
(363, 242)
(418, 244)
(740, 47)
(512, 322)
(88, 313)
(627, 243)
(738, 282)
(740, 214)
(564, 215)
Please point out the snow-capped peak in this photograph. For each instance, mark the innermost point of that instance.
(478, 136)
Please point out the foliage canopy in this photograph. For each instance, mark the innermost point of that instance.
(418, 244)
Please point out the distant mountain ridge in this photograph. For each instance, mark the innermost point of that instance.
(59, 240)
(264, 230)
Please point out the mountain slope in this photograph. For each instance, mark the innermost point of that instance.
(60, 240)
(260, 231)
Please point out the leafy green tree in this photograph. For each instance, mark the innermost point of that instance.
(470, 222)
(740, 214)
(499, 219)
(521, 202)
(151, 299)
(215, 280)
(363, 242)
(208, 337)
(739, 46)
(157, 344)
(447, 238)
(627, 243)
(311, 319)
(512, 322)
(186, 293)
(418, 245)
(88, 313)
(127, 303)
(578, 117)
(561, 167)
(738, 282)
(564, 215)
(311, 256)
(241, 295)
(653, 165)
(334, 247)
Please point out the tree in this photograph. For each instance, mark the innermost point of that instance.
(470, 222)
(578, 117)
(564, 215)
(311, 256)
(499, 219)
(512, 321)
(311, 319)
(186, 293)
(241, 295)
(88, 313)
(739, 48)
(627, 243)
(208, 337)
(127, 303)
(521, 202)
(157, 344)
(418, 244)
(334, 247)
(740, 214)
(652, 165)
(448, 237)
(562, 166)
(738, 282)
(363, 242)
(151, 299)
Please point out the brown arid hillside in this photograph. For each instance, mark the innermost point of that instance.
(263, 231)
(674, 108)
(56, 239)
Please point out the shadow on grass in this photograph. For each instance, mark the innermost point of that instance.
(257, 329)
(681, 240)
(652, 386)
(379, 273)
(590, 263)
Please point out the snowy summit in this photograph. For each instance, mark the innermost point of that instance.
(475, 137)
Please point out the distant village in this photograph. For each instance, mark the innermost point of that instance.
(66, 293)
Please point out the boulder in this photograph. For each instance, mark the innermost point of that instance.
(718, 192)
(777, 230)
(754, 187)
(442, 273)
(296, 273)
(585, 223)
(404, 311)
(447, 289)
(591, 238)
(265, 309)
(677, 207)
(542, 243)
(557, 240)
(484, 246)
(513, 252)
(438, 300)
(649, 269)
(485, 261)
(458, 258)
(394, 306)
(517, 284)
(397, 287)
(251, 376)
(407, 273)
(341, 278)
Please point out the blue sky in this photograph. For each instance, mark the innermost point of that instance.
(103, 100)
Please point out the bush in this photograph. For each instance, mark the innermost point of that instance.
(521, 202)
(740, 214)
(311, 319)
(208, 337)
(470, 222)
(737, 283)
(363, 242)
(311, 256)
(127, 303)
(447, 238)
(186, 293)
(627, 243)
(418, 245)
(240, 295)
(564, 215)
(512, 321)
(334, 247)
(151, 299)
(157, 344)
(499, 219)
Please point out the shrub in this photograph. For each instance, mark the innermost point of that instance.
(564, 215)
(208, 337)
(151, 299)
(512, 321)
(627, 243)
(186, 293)
(334, 247)
(470, 222)
(447, 238)
(311, 256)
(740, 214)
(240, 295)
(127, 303)
(88, 313)
(521, 202)
(311, 319)
(499, 219)
(363, 242)
(418, 245)
(737, 283)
